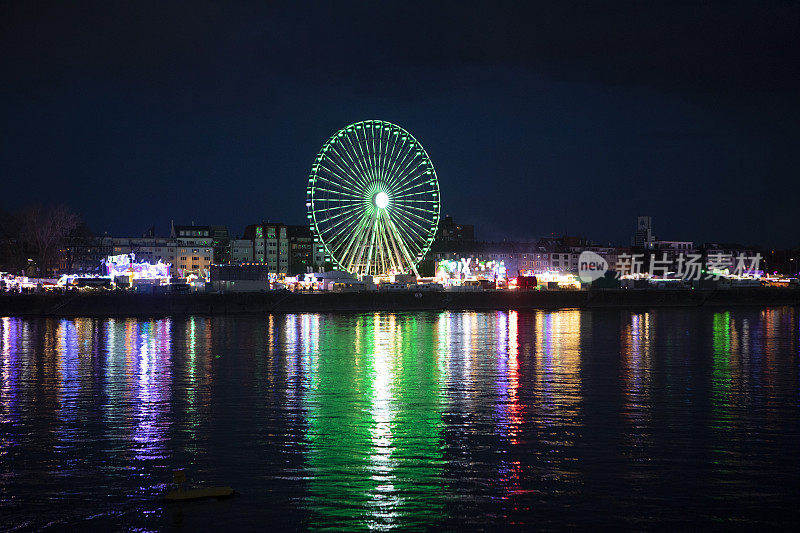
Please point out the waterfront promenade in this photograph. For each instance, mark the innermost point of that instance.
(101, 304)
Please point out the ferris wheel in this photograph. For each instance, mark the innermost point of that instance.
(373, 199)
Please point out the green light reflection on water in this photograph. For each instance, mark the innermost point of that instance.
(373, 403)
(721, 373)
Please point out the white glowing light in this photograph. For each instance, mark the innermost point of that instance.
(382, 200)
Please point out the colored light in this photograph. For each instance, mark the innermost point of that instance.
(382, 200)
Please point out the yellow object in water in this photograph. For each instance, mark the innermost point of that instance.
(181, 495)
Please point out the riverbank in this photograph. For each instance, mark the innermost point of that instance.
(102, 304)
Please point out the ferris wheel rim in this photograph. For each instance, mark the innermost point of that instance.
(403, 209)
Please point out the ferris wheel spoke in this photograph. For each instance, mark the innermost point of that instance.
(402, 176)
(341, 226)
(363, 157)
(415, 216)
(412, 246)
(347, 229)
(358, 176)
(414, 176)
(406, 157)
(362, 243)
(410, 236)
(383, 152)
(377, 150)
(390, 160)
(410, 185)
(340, 202)
(402, 244)
(332, 233)
(409, 229)
(353, 178)
(352, 152)
(375, 155)
(419, 211)
(343, 215)
(327, 209)
(391, 252)
(371, 246)
(334, 182)
(416, 155)
(364, 148)
(376, 256)
(409, 217)
(366, 253)
(349, 195)
(406, 208)
(403, 247)
(350, 252)
(372, 154)
(419, 205)
(399, 158)
(356, 158)
(409, 199)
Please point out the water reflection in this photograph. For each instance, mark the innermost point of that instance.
(636, 339)
(397, 421)
(9, 379)
(374, 415)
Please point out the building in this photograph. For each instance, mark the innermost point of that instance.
(449, 231)
(287, 250)
(643, 237)
(192, 235)
(721, 256)
(241, 251)
(301, 250)
(194, 252)
(150, 249)
(248, 277)
(671, 251)
(221, 243)
(188, 249)
(270, 245)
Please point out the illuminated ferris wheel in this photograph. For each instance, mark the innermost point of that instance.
(373, 199)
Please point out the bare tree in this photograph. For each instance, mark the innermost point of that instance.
(44, 230)
(12, 252)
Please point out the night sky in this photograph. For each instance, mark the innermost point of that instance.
(546, 118)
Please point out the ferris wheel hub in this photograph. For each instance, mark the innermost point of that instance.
(382, 200)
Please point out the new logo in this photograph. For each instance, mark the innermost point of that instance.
(591, 266)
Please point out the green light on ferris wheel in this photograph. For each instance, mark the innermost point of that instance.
(360, 171)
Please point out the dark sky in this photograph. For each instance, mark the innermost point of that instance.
(540, 117)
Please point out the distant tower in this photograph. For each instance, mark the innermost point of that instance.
(643, 238)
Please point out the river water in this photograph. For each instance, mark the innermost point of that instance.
(444, 420)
